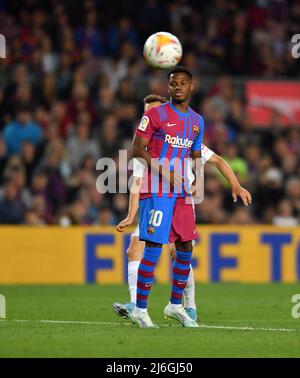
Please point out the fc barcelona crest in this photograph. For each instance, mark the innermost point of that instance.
(150, 230)
(196, 129)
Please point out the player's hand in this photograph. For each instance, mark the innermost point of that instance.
(123, 224)
(196, 187)
(243, 194)
(175, 179)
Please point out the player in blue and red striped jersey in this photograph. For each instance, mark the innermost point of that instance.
(167, 132)
(136, 247)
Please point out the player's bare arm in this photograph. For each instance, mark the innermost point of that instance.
(227, 172)
(139, 150)
(133, 205)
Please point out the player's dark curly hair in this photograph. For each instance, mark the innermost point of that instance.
(178, 69)
(154, 98)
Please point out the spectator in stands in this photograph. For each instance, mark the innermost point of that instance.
(28, 156)
(32, 218)
(80, 143)
(106, 217)
(241, 215)
(11, 208)
(284, 215)
(20, 130)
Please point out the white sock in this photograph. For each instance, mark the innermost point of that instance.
(175, 306)
(133, 267)
(189, 291)
(138, 310)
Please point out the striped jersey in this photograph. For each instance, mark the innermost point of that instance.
(172, 135)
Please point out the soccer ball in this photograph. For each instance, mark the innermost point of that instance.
(162, 50)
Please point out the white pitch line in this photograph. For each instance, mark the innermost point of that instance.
(237, 328)
(68, 322)
(251, 328)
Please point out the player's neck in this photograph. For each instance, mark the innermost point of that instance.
(183, 107)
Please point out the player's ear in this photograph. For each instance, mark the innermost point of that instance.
(192, 87)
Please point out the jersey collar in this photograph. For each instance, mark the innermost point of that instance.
(178, 111)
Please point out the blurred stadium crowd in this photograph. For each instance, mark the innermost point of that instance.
(71, 90)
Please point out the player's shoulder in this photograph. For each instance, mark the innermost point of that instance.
(152, 117)
(156, 111)
(156, 114)
(196, 115)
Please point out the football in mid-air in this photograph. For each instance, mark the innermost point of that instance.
(162, 50)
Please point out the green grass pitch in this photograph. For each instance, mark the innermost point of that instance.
(237, 320)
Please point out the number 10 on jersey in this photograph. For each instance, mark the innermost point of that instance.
(155, 218)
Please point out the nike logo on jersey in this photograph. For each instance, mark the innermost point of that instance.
(176, 141)
(171, 124)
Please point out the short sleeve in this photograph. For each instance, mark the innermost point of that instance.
(206, 153)
(148, 125)
(199, 138)
(138, 168)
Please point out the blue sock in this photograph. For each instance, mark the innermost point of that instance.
(146, 274)
(181, 271)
